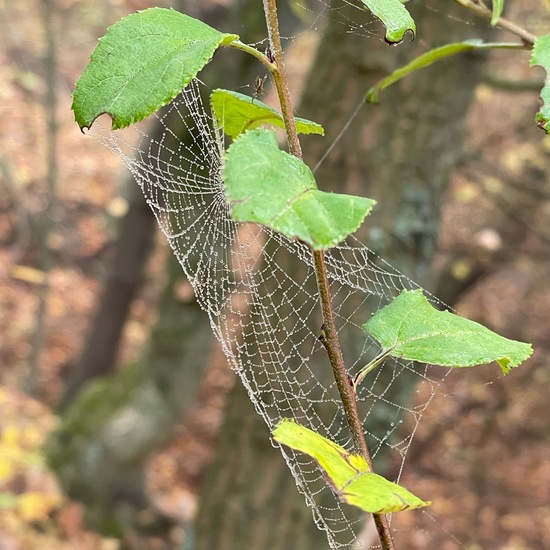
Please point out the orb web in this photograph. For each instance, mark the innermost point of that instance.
(258, 289)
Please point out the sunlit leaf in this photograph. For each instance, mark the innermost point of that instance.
(237, 113)
(411, 328)
(7, 469)
(29, 274)
(394, 16)
(541, 56)
(430, 57)
(11, 436)
(36, 506)
(270, 187)
(143, 63)
(348, 474)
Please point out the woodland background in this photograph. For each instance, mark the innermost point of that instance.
(87, 291)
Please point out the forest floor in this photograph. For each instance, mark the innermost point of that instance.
(482, 451)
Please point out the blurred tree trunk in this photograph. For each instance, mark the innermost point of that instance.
(137, 229)
(112, 422)
(106, 435)
(400, 153)
(45, 219)
(135, 239)
(136, 235)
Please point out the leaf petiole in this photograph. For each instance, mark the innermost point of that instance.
(238, 45)
(370, 367)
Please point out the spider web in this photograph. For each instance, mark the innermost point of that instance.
(259, 291)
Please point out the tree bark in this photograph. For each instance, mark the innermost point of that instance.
(105, 437)
(136, 235)
(248, 498)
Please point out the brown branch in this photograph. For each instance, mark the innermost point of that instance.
(330, 341)
(480, 9)
(279, 76)
(329, 338)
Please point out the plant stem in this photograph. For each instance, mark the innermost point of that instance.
(330, 336)
(345, 385)
(238, 45)
(329, 339)
(479, 8)
(279, 76)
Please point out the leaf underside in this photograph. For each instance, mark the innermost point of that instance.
(541, 57)
(270, 187)
(498, 6)
(394, 17)
(430, 57)
(411, 328)
(348, 474)
(237, 113)
(143, 63)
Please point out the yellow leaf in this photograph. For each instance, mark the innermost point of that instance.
(31, 437)
(11, 436)
(34, 506)
(6, 469)
(28, 274)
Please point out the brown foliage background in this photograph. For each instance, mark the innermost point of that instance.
(481, 453)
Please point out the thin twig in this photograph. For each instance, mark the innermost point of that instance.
(279, 76)
(510, 85)
(329, 338)
(480, 9)
(346, 387)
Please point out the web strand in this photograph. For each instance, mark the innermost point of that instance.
(258, 289)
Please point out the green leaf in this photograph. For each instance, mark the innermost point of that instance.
(268, 186)
(411, 328)
(237, 113)
(498, 6)
(430, 57)
(394, 16)
(347, 473)
(143, 63)
(541, 56)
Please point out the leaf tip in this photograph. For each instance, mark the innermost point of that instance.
(372, 96)
(507, 363)
(540, 56)
(394, 39)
